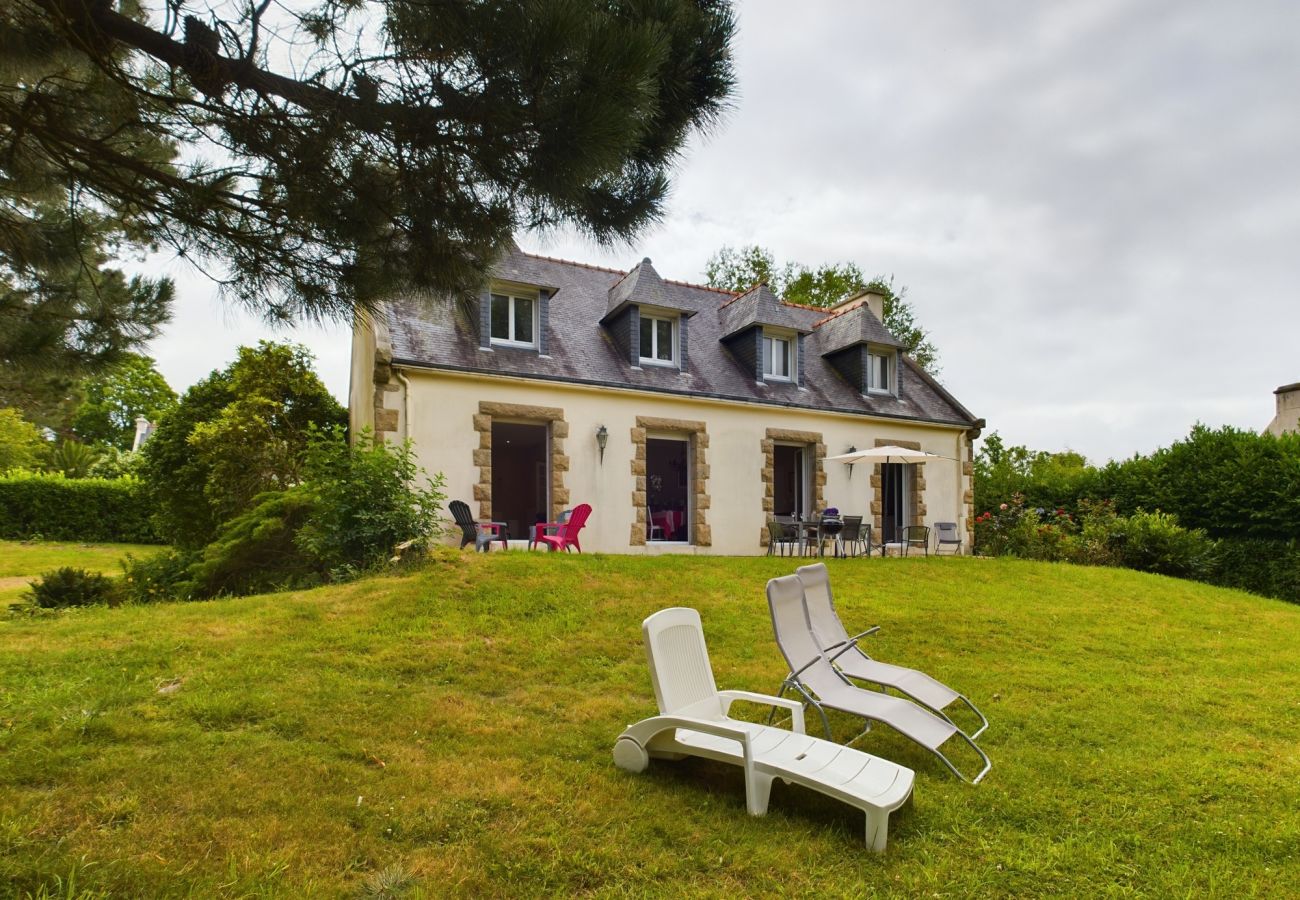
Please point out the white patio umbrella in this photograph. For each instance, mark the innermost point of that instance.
(886, 454)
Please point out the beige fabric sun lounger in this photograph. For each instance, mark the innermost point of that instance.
(693, 721)
(853, 661)
(814, 677)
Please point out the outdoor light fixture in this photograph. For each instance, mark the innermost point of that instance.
(602, 438)
(852, 449)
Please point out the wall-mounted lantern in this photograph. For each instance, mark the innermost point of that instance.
(602, 438)
(852, 449)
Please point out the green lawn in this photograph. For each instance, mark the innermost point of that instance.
(20, 563)
(449, 731)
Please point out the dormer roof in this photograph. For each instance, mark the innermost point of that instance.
(853, 324)
(758, 306)
(429, 332)
(643, 287)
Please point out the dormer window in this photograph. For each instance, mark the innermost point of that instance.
(880, 372)
(658, 339)
(778, 357)
(514, 320)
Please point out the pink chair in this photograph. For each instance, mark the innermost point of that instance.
(566, 533)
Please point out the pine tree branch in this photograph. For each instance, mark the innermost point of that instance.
(213, 73)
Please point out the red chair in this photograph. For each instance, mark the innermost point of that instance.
(566, 533)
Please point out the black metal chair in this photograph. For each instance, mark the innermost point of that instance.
(946, 535)
(781, 536)
(916, 536)
(480, 534)
(851, 541)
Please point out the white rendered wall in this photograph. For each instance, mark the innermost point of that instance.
(442, 406)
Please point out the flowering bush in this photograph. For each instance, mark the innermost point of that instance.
(1148, 542)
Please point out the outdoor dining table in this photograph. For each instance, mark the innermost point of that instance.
(812, 529)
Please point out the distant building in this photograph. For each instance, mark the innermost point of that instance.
(143, 431)
(1288, 410)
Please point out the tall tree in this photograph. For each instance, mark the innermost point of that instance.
(235, 434)
(738, 269)
(66, 308)
(345, 148)
(112, 401)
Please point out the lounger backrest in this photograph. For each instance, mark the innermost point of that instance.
(825, 620)
(794, 636)
(679, 664)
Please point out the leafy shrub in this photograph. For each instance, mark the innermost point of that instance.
(65, 509)
(1013, 530)
(1155, 542)
(165, 576)
(356, 504)
(114, 463)
(67, 586)
(1148, 542)
(365, 499)
(256, 551)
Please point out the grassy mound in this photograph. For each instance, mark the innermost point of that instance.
(449, 731)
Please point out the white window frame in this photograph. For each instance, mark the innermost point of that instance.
(514, 296)
(653, 360)
(890, 372)
(791, 357)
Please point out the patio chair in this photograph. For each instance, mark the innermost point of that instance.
(814, 677)
(946, 535)
(781, 537)
(566, 533)
(481, 534)
(543, 527)
(851, 538)
(852, 661)
(656, 532)
(911, 537)
(693, 721)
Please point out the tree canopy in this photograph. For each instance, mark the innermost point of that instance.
(21, 443)
(739, 269)
(235, 434)
(112, 401)
(66, 307)
(341, 149)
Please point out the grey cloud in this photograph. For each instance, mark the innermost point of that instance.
(1095, 206)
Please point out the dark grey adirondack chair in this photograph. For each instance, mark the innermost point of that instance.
(480, 534)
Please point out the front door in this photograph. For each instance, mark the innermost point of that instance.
(520, 478)
(895, 485)
(668, 482)
(790, 481)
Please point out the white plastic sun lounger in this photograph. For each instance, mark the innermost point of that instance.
(853, 661)
(813, 676)
(693, 721)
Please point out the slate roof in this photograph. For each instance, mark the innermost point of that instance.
(759, 306)
(644, 287)
(854, 325)
(431, 333)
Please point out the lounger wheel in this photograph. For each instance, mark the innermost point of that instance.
(630, 756)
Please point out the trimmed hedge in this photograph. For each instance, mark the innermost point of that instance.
(74, 509)
(1271, 568)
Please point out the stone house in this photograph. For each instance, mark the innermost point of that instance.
(685, 415)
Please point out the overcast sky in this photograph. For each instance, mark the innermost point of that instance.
(1095, 206)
